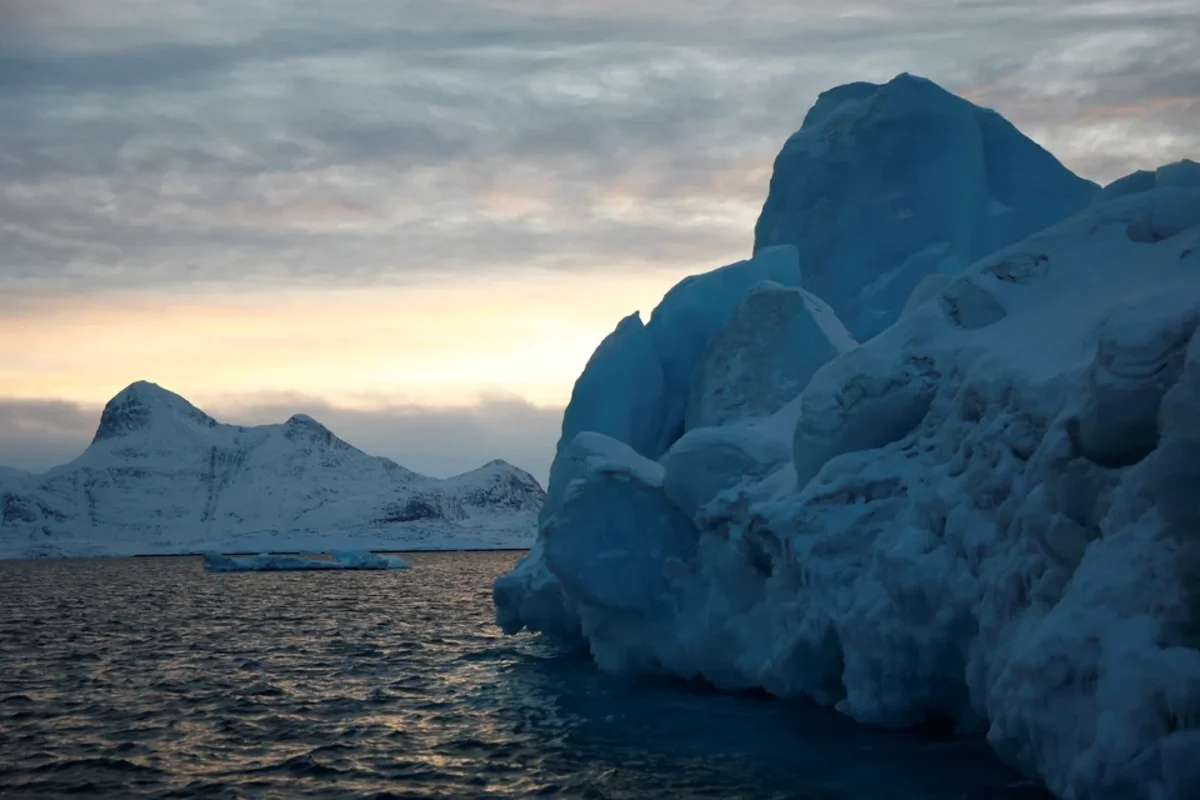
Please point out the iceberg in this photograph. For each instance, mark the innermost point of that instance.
(280, 562)
(984, 514)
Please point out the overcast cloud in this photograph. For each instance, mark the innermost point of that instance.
(151, 143)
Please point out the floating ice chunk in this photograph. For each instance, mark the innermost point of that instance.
(937, 548)
(268, 562)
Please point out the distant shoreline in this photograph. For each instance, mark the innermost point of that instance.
(109, 557)
(298, 552)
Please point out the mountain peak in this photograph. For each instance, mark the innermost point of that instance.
(137, 406)
(145, 391)
(302, 426)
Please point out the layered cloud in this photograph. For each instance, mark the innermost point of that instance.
(287, 139)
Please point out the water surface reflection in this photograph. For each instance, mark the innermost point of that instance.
(150, 678)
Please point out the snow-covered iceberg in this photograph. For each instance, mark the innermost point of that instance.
(285, 562)
(985, 514)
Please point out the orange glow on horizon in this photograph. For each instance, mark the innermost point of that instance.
(449, 343)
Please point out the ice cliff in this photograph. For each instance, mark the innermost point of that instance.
(984, 514)
(161, 476)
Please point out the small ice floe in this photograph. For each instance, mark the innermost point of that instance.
(270, 562)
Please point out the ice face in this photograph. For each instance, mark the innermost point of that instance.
(1180, 174)
(636, 389)
(764, 356)
(612, 543)
(622, 391)
(693, 313)
(884, 185)
(1138, 358)
(635, 386)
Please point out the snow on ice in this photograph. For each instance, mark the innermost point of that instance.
(986, 512)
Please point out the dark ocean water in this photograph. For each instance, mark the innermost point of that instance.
(150, 678)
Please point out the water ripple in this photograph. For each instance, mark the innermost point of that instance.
(150, 678)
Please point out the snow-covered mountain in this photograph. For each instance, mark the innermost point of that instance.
(161, 476)
(985, 514)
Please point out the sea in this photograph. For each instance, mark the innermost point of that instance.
(148, 677)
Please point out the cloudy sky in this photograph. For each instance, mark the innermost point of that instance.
(415, 219)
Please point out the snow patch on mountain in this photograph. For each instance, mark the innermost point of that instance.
(161, 476)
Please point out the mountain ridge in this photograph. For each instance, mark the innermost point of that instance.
(163, 476)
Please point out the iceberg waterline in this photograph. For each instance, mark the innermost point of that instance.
(986, 512)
